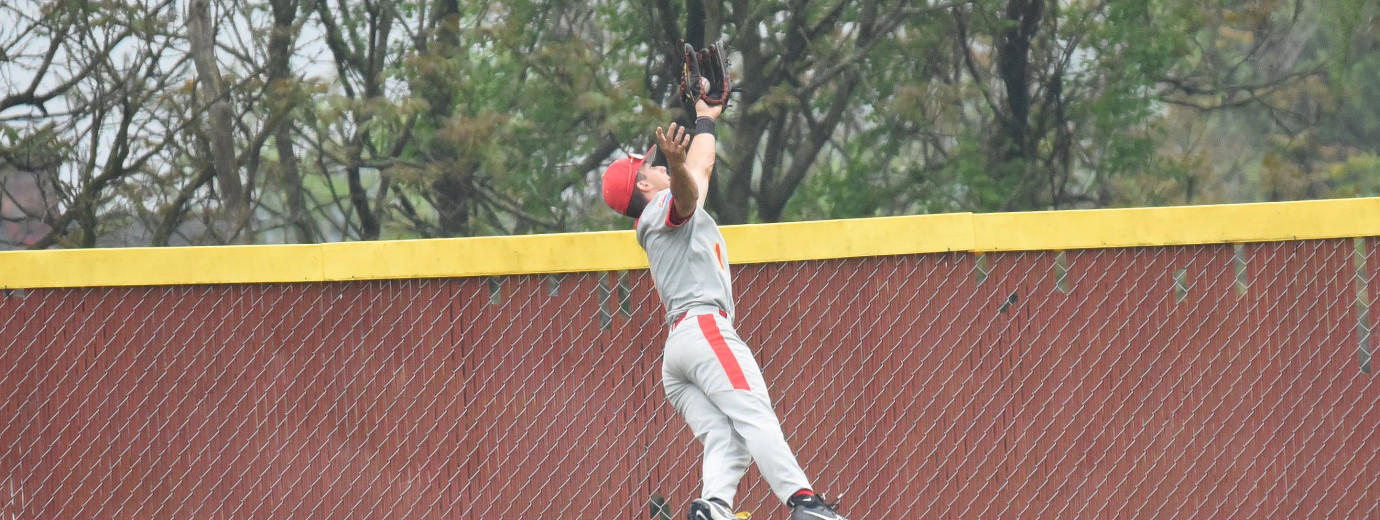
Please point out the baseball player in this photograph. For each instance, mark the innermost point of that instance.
(708, 372)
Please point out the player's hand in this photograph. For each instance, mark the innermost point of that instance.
(703, 109)
(673, 143)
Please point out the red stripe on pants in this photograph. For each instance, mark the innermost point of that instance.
(725, 355)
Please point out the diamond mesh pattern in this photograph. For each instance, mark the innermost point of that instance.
(1184, 382)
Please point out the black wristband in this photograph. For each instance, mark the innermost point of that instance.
(704, 125)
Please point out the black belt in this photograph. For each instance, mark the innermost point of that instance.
(686, 315)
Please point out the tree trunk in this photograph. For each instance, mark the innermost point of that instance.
(218, 122)
(454, 190)
(284, 87)
(694, 23)
(1013, 149)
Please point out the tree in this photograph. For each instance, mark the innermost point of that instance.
(88, 71)
(1266, 107)
(322, 120)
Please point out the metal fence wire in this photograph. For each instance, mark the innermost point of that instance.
(1163, 382)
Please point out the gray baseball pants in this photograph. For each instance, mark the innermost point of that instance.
(713, 381)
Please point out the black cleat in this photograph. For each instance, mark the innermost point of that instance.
(711, 509)
(811, 507)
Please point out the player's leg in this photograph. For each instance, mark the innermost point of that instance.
(755, 420)
(725, 369)
(725, 455)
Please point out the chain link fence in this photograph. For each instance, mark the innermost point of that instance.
(1168, 382)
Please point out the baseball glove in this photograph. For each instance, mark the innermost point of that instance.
(711, 64)
(714, 67)
(690, 88)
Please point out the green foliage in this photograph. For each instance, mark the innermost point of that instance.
(1279, 103)
(498, 118)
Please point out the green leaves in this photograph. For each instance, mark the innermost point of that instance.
(393, 119)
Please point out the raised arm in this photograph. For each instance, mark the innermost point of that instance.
(690, 161)
(674, 144)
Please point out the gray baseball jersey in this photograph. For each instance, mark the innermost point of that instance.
(689, 262)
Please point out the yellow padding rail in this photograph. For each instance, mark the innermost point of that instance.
(754, 243)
